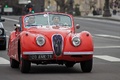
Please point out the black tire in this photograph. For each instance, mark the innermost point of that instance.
(69, 64)
(14, 63)
(86, 66)
(25, 66)
(3, 47)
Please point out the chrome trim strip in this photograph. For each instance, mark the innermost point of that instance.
(37, 52)
(77, 53)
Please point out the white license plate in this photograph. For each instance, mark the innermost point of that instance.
(41, 56)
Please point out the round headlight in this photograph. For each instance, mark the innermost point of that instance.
(1, 31)
(40, 40)
(76, 41)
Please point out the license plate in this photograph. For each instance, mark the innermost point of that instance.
(41, 57)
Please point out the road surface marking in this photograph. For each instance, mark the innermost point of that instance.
(107, 58)
(4, 61)
(7, 36)
(6, 30)
(11, 19)
(100, 47)
(107, 36)
(99, 20)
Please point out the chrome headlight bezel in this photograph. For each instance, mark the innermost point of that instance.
(76, 41)
(40, 40)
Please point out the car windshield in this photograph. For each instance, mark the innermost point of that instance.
(43, 20)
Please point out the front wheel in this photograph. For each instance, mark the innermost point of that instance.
(14, 63)
(25, 66)
(86, 66)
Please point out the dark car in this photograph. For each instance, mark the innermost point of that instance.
(2, 36)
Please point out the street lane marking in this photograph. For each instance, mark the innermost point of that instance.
(107, 58)
(7, 36)
(11, 19)
(107, 36)
(100, 47)
(98, 20)
(4, 61)
(6, 30)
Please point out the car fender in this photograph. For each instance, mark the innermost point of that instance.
(86, 42)
(28, 42)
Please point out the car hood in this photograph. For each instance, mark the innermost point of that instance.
(50, 31)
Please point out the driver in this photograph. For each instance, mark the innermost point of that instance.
(56, 20)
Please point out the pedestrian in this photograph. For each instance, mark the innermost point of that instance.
(94, 12)
(114, 11)
(29, 7)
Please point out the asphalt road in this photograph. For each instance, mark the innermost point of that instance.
(106, 66)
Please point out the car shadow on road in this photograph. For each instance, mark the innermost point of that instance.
(42, 69)
(53, 69)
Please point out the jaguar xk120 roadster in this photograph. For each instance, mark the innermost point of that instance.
(49, 38)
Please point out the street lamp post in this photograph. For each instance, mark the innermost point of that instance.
(70, 7)
(106, 9)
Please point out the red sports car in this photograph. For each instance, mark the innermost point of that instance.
(49, 38)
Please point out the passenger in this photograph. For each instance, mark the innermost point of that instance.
(31, 20)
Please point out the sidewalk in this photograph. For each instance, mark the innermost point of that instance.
(113, 17)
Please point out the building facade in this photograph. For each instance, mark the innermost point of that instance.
(85, 6)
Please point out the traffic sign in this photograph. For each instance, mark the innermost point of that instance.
(23, 1)
(8, 9)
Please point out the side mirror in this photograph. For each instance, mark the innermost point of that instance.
(77, 26)
(2, 20)
(17, 27)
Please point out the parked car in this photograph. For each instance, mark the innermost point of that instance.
(49, 38)
(2, 36)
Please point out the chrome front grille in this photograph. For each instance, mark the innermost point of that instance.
(57, 42)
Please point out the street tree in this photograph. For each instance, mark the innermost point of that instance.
(65, 5)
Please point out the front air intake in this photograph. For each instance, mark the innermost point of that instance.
(57, 42)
